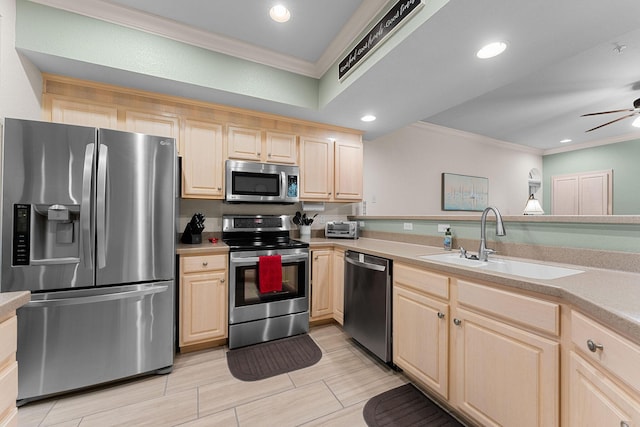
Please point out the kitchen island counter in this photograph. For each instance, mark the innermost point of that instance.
(610, 296)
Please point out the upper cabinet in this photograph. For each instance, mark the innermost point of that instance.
(261, 146)
(81, 113)
(331, 170)
(202, 162)
(330, 157)
(153, 124)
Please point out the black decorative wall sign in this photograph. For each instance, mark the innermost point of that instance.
(385, 26)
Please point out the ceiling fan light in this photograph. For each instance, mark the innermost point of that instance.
(636, 122)
(491, 50)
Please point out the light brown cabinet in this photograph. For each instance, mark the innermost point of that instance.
(331, 170)
(203, 299)
(83, 113)
(421, 326)
(149, 123)
(461, 339)
(202, 163)
(8, 371)
(338, 285)
(604, 381)
(321, 284)
(261, 146)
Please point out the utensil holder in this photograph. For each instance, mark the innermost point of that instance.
(305, 231)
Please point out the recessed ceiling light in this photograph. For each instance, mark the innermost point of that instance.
(636, 122)
(491, 50)
(564, 141)
(368, 118)
(279, 13)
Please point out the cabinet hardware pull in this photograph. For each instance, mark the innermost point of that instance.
(221, 280)
(258, 154)
(457, 322)
(219, 188)
(269, 154)
(205, 263)
(624, 424)
(316, 258)
(592, 346)
(440, 315)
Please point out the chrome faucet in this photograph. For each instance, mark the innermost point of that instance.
(483, 252)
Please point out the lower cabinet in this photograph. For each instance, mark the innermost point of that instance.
(491, 354)
(203, 308)
(338, 285)
(321, 284)
(603, 380)
(8, 371)
(420, 326)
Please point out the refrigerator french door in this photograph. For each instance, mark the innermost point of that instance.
(88, 226)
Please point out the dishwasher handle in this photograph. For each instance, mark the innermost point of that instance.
(366, 265)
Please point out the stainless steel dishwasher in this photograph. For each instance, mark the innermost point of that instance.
(367, 302)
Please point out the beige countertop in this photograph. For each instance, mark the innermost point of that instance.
(11, 301)
(611, 296)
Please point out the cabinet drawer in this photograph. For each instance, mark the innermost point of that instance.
(8, 340)
(531, 312)
(200, 263)
(618, 355)
(421, 280)
(8, 387)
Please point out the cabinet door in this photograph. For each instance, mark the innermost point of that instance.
(244, 143)
(348, 171)
(281, 148)
(595, 401)
(202, 162)
(421, 338)
(338, 285)
(321, 275)
(154, 124)
(74, 112)
(316, 168)
(203, 307)
(504, 376)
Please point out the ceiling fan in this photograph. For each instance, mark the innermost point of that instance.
(634, 112)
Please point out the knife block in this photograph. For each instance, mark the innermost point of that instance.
(190, 236)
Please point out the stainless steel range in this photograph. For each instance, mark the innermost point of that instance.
(265, 303)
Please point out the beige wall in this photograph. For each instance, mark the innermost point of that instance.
(20, 80)
(402, 170)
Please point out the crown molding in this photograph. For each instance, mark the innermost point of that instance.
(138, 20)
(606, 141)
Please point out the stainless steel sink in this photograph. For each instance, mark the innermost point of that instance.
(517, 268)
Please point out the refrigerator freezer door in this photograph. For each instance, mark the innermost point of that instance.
(135, 206)
(47, 184)
(77, 338)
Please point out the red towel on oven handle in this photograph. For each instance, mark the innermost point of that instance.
(270, 273)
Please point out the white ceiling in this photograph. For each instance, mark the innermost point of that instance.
(561, 61)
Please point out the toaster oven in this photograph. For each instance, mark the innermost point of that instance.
(341, 229)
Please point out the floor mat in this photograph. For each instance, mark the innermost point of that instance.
(264, 360)
(406, 406)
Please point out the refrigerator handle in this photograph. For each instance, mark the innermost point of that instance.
(101, 214)
(85, 205)
(142, 292)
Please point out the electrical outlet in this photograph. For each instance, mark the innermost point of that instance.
(361, 224)
(408, 226)
(442, 228)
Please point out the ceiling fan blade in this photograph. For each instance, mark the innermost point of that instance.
(607, 112)
(612, 121)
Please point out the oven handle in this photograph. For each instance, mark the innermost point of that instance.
(255, 259)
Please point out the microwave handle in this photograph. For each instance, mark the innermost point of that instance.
(283, 185)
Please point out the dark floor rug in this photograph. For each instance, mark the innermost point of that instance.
(264, 360)
(406, 406)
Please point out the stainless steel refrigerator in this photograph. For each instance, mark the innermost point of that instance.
(88, 226)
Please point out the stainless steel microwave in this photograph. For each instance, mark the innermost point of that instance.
(252, 182)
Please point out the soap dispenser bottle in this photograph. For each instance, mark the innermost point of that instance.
(448, 240)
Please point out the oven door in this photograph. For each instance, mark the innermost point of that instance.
(247, 303)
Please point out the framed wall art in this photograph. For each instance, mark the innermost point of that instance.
(464, 192)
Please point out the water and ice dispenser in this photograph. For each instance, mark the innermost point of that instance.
(46, 234)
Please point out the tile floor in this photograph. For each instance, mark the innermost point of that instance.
(202, 392)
